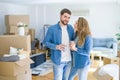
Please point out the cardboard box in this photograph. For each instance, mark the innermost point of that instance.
(32, 34)
(9, 34)
(12, 20)
(6, 41)
(26, 30)
(19, 70)
(24, 76)
(118, 54)
(95, 63)
(14, 29)
(15, 68)
(114, 60)
(102, 77)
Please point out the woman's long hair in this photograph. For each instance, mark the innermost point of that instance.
(82, 30)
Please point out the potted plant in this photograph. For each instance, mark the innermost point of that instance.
(21, 28)
(117, 36)
(118, 40)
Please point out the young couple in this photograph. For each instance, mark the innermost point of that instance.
(70, 48)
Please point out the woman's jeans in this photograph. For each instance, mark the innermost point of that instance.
(62, 71)
(82, 73)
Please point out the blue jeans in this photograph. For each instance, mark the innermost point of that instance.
(62, 71)
(82, 73)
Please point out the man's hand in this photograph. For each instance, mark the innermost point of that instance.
(60, 47)
(73, 46)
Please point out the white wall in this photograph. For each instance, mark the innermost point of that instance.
(104, 18)
(6, 9)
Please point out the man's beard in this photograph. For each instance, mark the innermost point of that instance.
(63, 22)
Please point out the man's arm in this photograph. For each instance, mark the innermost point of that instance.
(48, 40)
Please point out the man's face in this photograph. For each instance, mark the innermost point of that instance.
(65, 18)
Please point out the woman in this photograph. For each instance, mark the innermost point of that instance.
(81, 50)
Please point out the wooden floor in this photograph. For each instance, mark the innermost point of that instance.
(50, 76)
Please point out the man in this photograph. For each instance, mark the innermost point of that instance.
(57, 39)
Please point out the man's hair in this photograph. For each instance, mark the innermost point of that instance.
(65, 11)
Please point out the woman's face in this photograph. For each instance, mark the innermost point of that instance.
(75, 25)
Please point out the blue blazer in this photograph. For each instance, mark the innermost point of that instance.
(81, 57)
(53, 38)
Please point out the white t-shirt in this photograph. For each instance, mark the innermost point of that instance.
(65, 55)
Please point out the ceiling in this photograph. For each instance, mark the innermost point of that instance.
(55, 1)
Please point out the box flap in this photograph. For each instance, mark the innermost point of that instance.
(102, 77)
(27, 53)
(24, 62)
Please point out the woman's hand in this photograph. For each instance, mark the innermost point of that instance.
(73, 46)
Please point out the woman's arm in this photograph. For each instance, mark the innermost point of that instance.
(87, 47)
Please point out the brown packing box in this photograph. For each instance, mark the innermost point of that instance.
(24, 76)
(19, 70)
(12, 20)
(15, 68)
(7, 41)
(9, 34)
(102, 77)
(118, 54)
(95, 63)
(14, 29)
(115, 60)
(31, 32)
(26, 30)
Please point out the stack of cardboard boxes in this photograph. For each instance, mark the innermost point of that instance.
(31, 32)
(19, 70)
(11, 22)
